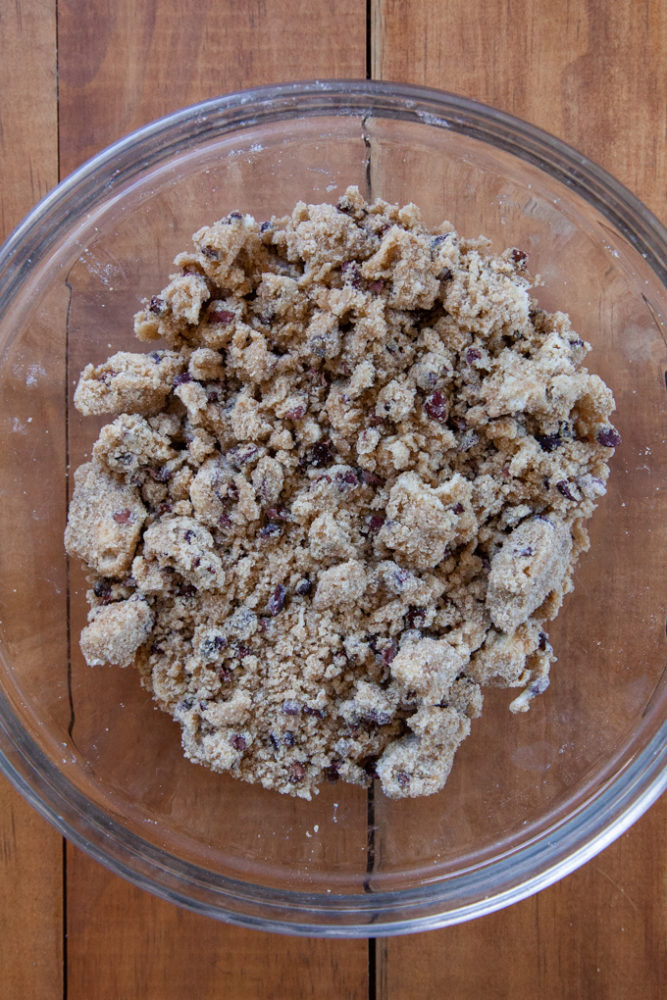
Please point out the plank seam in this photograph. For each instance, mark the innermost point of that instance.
(372, 984)
(370, 815)
(369, 47)
(64, 913)
(57, 12)
(65, 959)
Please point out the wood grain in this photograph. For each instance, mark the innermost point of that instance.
(31, 885)
(592, 72)
(121, 65)
(596, 934)
(138, 946)
(572, 69)
(28, 108)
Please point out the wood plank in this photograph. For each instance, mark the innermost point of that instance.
(138, 946)
(31, 926)
(589, 71)
(31, 938)
(122, 65)
(136, 104)
(28, 108)
(596, 934)
(573, 70)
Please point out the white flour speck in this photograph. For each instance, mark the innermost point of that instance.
(34, 373)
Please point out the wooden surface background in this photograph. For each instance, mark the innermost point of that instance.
(74, 76)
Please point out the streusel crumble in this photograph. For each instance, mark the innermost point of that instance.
(347, 495)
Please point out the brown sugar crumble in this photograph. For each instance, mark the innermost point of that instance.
(348, 494)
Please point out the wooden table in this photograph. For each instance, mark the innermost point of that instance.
(76, 75)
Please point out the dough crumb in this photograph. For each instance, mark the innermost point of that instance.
(348, 496)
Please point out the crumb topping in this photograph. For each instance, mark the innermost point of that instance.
(348, 495)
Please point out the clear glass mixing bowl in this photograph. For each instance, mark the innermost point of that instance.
(531, 797)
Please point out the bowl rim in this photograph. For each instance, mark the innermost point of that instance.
(348, 97)
(580, 836)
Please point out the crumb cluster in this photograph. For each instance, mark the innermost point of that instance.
(348, 494)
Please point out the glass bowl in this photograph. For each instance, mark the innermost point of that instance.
(530, 797)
